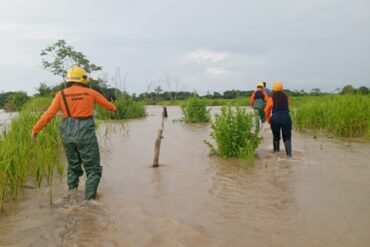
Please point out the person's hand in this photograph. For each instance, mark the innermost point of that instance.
(33, 136)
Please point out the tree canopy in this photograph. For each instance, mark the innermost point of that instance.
(59, 57)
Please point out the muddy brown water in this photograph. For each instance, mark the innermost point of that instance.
(320, 197)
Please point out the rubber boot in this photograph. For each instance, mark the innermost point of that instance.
(276, 146)
(288, 148)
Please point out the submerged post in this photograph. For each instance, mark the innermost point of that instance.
(165, 115)
(157, 148)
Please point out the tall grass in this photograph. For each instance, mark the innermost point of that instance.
(37, 104)
(194, 110)
(21, 159)
(232, 131)
(127, 108)
(340, 115)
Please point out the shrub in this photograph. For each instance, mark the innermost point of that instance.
(232, 131)
(127, 108)
(16, 101)
(195, 110)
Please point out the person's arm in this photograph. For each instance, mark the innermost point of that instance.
(102, 101)
(265, 95)
(251, 101)
(268, 109)
(48, 115)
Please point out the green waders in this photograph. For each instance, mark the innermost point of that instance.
(259, 106)
(81, 148)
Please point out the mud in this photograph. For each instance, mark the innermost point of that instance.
(320, 197)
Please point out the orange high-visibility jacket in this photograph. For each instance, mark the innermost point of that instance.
(80, 101)
(265, 95)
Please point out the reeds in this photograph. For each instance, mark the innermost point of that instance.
(340, 115)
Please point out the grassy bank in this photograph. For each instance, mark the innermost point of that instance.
(340, 115)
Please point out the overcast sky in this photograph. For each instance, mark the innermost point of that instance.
(203, 45)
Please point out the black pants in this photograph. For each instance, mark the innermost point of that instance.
(281, 122)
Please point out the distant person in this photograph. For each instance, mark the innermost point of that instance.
(258, 102)
(268, 91)
(277, 113)
(78, 130)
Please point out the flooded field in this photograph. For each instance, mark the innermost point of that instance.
(320, 197)
(5, 119)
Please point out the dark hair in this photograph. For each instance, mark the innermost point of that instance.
(264, 84)
(279, 99)
(71, 83)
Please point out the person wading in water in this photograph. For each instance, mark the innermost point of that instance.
(277, 114)
(258, 102)
(78, 130)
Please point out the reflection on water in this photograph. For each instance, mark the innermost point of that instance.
(321, 197)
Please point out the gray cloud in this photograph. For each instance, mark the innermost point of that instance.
(205, 45)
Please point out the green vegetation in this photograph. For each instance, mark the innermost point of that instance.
(15, 101)
(127, 108)
(341, 115)
(21, 159)
(37, 104)
(59, 57)
(195, 110)
(209, 102)
(232, 131)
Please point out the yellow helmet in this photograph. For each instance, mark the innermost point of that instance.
(277, 86)
(76, 74)
(260, 84)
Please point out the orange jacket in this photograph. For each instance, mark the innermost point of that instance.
(80, 101)
(265, 95)
(268, 109)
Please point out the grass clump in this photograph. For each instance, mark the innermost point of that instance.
(232, 131)
(37, 104)
(22, 159)
(127, 108)
(340, 115)
(194, 110)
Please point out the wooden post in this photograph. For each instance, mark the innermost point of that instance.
(157, 148)
(165, 115)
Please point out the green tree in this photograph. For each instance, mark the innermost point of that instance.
(315, 91)
(363, 90)
(43, 90)
(348, 89)
(59, 57)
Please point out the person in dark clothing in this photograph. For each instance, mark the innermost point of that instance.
(277, 114)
